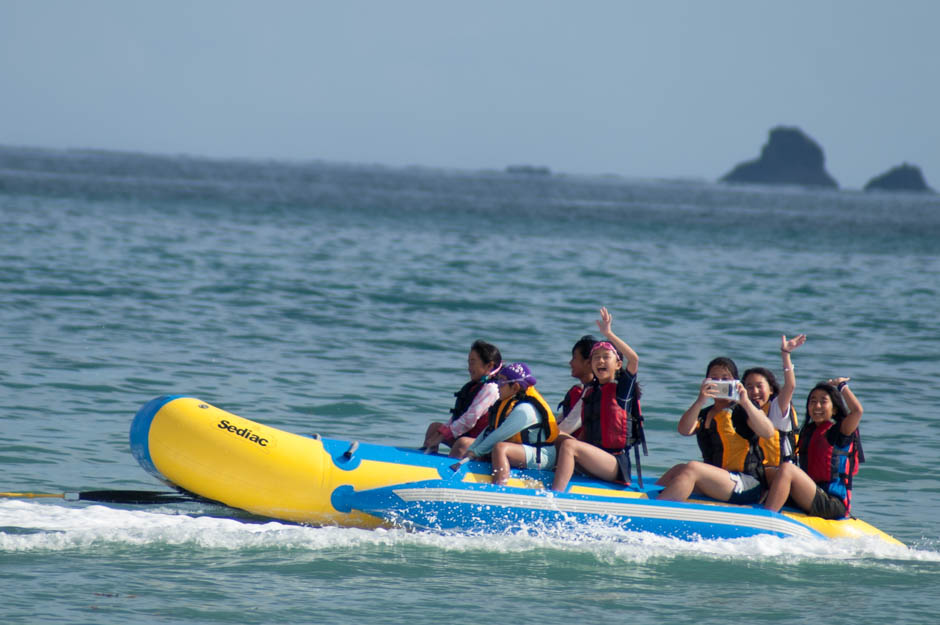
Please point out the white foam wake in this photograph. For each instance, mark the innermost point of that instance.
(34, 526)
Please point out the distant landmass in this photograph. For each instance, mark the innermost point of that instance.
(904, 177)
(529, 170)
(789, 157)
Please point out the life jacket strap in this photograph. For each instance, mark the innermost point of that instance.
(639, 469)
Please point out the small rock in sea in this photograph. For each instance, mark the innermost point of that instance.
(904, 177)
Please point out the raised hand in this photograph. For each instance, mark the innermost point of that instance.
(603, 324)
(789, 345)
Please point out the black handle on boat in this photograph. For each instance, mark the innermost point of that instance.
(132, 496)
(456, 466)
(110, 496)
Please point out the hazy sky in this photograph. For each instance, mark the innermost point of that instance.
(641, 89)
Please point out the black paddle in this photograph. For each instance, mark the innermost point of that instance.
(110, 496)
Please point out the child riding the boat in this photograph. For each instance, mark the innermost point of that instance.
(609, 410)
(506, 454)
(829, 453)
(764, 391)
(522, 415)
(571, 405)
(469, 414)
(732, 468)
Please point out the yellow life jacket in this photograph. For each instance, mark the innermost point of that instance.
(771, 446)
(542, 433)
(728, 442)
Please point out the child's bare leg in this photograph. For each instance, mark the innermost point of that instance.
(461, 445)
(505, 455)
(432, 438)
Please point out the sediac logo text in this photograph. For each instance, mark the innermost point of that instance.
(243, 432)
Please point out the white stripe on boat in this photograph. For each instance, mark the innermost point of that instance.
(605, 508)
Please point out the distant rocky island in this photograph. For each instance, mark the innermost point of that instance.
(904, 177)
(788, 157)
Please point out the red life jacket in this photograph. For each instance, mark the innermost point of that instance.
(831, 467)
(571, 398)
(614, 424)
(605, 422)
(611, 423)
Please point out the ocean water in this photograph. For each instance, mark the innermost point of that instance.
(342, 299)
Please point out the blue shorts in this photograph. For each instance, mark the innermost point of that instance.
(547, 456)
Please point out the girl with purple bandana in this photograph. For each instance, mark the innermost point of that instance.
(520, 416)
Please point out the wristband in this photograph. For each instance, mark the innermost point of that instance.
(790, 368)
(841, 386)
(785, 351)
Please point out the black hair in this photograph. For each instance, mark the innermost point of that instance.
(584, 345)
(487, 352)
(727, 363)
(767, 374)
(838, 403)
